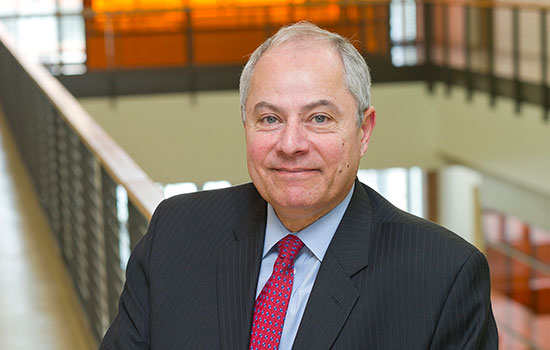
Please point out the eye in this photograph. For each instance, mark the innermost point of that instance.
(270, 119)
(319, 118)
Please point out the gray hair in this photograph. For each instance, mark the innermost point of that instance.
(356, 71)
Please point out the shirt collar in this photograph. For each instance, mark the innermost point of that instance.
(316, 237)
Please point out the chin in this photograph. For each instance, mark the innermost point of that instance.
(291, 195)
(296, 202)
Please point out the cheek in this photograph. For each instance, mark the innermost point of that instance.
(341, 154)
(334, 151)
(256, 149)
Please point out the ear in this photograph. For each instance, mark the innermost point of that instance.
(369, 121)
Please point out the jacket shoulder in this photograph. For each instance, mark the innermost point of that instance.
(402, 225)
(227, 201)
(211, 214)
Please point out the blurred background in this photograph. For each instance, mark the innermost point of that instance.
(106, 107)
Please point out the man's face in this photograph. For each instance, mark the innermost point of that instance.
(303, 143)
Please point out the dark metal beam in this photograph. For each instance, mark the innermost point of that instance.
(468, 51)
(545, 83)
(428, 64)
(516, 58)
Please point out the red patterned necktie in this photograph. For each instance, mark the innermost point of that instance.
(272, 303)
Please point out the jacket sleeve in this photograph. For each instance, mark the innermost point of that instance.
(130, 328)
(466, 320)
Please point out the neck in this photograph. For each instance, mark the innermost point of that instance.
(294, 224)
(297, 219)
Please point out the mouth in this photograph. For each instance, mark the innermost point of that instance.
(294, 171)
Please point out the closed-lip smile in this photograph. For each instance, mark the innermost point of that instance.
(294, 170)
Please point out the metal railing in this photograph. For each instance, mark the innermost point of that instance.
(485, 52)
(519, 256)
(482, 45)
(75, 168)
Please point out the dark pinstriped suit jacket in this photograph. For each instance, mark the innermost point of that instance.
(389, 280)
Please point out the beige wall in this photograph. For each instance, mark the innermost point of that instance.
(178, 137)
(406, 130)
(497, 141)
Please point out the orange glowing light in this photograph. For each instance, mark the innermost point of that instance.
(156, 33)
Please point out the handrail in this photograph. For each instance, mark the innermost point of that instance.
(76, 168)
(123, 169)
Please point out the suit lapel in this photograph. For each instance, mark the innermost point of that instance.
(238, 267)
(334, 295)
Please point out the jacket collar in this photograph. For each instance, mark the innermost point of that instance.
(333, 295)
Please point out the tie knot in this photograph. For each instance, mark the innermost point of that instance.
(289, 247)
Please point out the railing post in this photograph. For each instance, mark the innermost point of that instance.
(428, 65)
(32, 138)
(109, 38)
(111, 230)
(468, 52)
(516, 57)
(267, 22)
(137, 225)
(58, 18)
(447, 46)
(52, 195)
(545, 83)
(385, 35)
(23, 123)
(64, 194)
(190, 52)
(362, 35)
(491, 56)
(40, 152)
(77, 217)
(98, 312)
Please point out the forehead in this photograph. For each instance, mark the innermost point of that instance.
(298, 68)
(302, 51)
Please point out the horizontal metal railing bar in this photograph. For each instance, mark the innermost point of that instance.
(141, 190)
(520, 256)
(147, 80)
(514, 333)
(530, 91)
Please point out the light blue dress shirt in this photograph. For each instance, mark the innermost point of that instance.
(316, 238)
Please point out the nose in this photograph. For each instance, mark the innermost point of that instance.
(293, 140)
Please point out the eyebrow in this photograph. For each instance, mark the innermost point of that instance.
(322, 103)
(308, 107)
(266, 105)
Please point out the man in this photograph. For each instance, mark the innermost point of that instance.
(305, 257)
